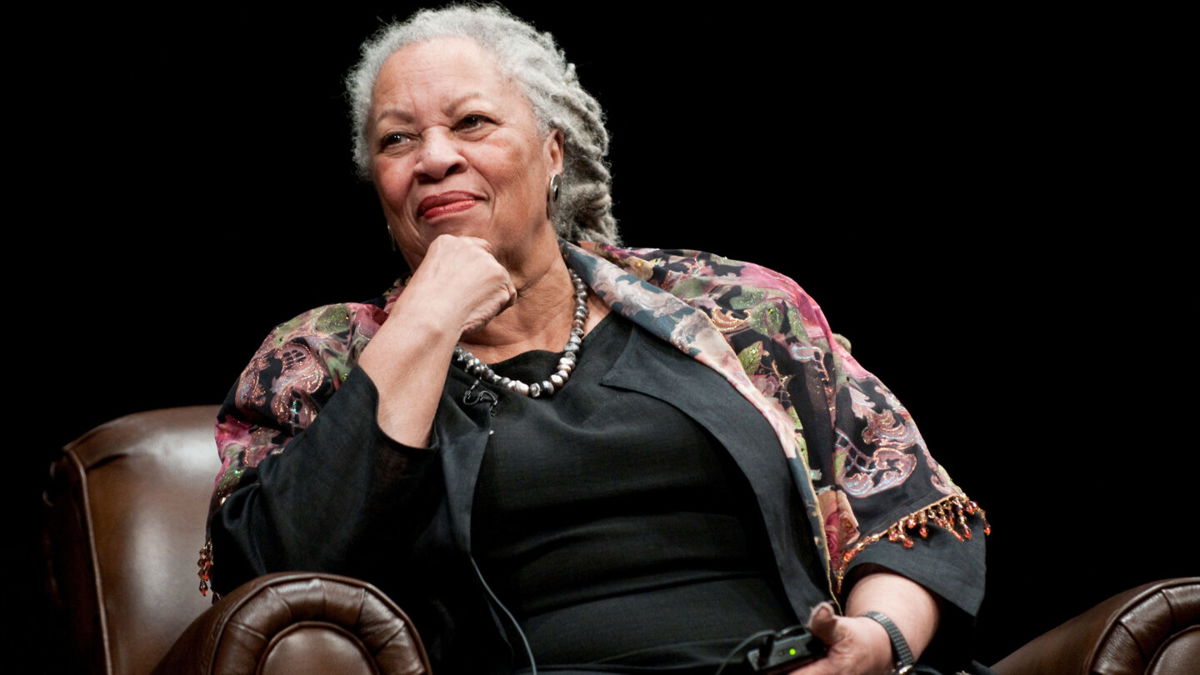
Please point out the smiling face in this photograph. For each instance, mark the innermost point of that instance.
(456, 150)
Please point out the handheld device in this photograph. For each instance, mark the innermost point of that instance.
(785, 650)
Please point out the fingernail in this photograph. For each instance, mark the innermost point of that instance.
(822, 611)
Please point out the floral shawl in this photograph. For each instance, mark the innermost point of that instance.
(855, 455)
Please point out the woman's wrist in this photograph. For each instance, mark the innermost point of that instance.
(901, 654)
(406, 361)
(880, 652)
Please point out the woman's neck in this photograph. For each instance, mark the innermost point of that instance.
(539, 318)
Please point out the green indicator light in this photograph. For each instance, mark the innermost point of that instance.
(791, 652)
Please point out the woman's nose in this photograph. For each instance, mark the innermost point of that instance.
(439, 155)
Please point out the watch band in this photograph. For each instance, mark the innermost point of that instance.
(900, 650)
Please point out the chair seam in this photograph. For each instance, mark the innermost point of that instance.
(97, 577)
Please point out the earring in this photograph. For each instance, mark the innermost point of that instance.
(552, 195)
(391, 236)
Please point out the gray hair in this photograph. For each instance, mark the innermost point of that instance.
(549, 83)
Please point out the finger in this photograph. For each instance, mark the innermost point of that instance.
(822, 622)
(480, 242)
(512, 296)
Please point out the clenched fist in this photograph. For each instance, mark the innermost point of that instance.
(460, 282)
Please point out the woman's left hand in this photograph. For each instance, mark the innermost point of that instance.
(855, 645)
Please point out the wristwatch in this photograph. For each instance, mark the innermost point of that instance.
(900, 651)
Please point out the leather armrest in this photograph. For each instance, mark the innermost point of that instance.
(1154, 628)
(300, 622)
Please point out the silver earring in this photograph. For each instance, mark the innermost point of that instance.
(391, 237)
(552, 195)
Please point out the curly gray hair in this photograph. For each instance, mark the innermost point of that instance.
(549, 83)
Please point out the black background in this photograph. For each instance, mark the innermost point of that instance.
(990, 206)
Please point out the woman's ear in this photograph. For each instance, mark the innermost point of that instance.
(554, 151)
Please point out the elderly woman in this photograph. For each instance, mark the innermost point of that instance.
(561, 455)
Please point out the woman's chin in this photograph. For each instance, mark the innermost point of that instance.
(458, 224)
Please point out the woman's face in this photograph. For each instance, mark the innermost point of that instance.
(456, 150)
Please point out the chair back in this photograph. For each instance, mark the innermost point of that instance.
(125, 514)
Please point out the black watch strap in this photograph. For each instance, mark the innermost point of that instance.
(900, 650)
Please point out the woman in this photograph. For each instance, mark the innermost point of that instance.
(701, 461)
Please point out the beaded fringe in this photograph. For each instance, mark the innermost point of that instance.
(950, 514)
(205, 565)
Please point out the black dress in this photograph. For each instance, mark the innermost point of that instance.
(617, 529)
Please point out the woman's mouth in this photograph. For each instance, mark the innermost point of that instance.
(446, 202)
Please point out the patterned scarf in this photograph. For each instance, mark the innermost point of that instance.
(855, 455)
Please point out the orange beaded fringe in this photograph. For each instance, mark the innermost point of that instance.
(205, 565)
(950, 514)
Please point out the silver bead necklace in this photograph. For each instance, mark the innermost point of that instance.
(566, 364)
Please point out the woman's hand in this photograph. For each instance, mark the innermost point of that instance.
(458, 288)
(855, 645)
(459, 281)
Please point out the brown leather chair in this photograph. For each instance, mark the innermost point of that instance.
(125, 511)
(125, 519)
(1153, 629)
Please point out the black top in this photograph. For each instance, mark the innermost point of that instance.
(616, 528)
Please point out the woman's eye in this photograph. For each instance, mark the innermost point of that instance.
(472, 122)
(394, 139)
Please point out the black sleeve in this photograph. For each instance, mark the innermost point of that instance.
(341, 497)
(952, 570)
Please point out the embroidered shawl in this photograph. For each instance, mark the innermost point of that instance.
(855, 455)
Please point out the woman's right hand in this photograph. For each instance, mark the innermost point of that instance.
(457, 288)
(460, 282)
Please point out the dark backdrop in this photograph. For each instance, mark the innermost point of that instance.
(986, 205)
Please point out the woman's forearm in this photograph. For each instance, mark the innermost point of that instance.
(407, 363)
(913, 609)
